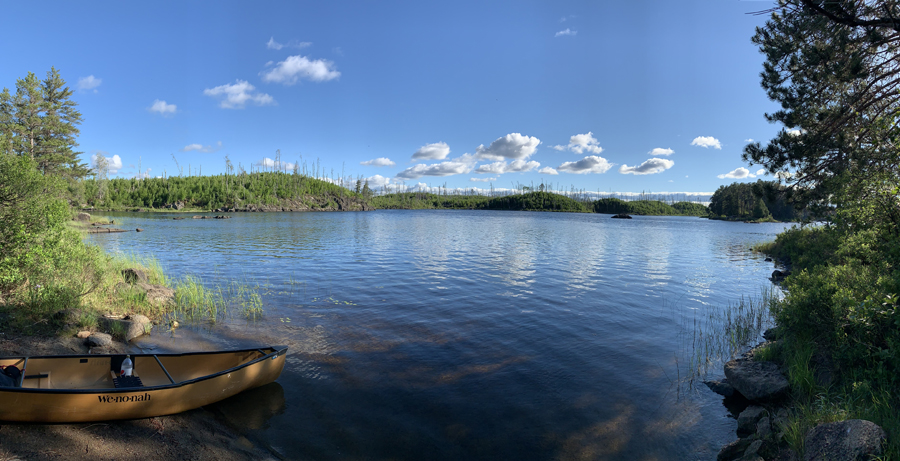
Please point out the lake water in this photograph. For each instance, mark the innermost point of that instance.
(466, 334)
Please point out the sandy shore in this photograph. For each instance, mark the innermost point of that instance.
(194, 435)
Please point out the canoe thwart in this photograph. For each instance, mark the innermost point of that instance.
(164, 369)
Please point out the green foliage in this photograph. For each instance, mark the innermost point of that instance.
(33, 238)
(759, 201)
(428, 201)
(536, 201)
(40, 122)
(219, 191)
(832, 67)
(691, 209)
(649, 207)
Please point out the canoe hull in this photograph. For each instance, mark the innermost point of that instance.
(71, 406)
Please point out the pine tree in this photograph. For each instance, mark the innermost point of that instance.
(55, 153)
(40, 121)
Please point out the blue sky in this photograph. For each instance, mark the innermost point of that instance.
(629, 96)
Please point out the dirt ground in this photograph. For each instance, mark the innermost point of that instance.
(193, 435)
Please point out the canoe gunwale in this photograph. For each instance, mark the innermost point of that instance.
(277, 351)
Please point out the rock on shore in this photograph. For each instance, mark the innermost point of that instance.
(761, 425)
(757, 381)
(854, 439)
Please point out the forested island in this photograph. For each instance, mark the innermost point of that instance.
(536, 201)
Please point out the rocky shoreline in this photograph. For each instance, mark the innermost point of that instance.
(762, 389)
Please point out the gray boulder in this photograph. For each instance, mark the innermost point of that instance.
(130, 327)
(854, 439)
(82, 217)
(159, 295)
(135, 276)
(748, 418)
(764, 428)
(98, 340)
(757, 381)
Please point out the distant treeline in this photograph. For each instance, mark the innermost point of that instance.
(762, 200)
(212, 192)
(649, 207)
(535, 201)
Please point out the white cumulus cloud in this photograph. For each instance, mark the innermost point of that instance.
(202, 148)
(589, 164)
(162, 107)
(380, 161)
(378, 181)
(737, 173)
(89, 83)
(760, 172)
(295, 68)
(706, 141)
(660, 151)
(459, 165)
(482, 179)
(273, 45)
(568, 31)
(513, 146)
(784, 175)
(794, 132)
(433, 151)
(237, 95)
(581, 143)
(548, 170)
(651, 166)
(516, 166)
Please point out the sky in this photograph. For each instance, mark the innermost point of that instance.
(621, 97)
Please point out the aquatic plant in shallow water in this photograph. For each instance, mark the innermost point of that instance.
(718, 334)
(197, 302)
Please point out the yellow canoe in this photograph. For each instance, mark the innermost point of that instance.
(82, 388)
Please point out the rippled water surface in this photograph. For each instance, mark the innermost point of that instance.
(466, 334)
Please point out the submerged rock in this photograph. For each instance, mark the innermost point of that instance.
(722, 387)
(854, 439)
(622, 216)
(733, 450)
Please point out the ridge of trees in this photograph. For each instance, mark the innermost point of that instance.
(536, 201)
(212, 192)
(753, 201)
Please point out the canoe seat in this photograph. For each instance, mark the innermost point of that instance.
(128, 381)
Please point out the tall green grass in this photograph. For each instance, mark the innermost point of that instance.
(717, 334)
(195, 301)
